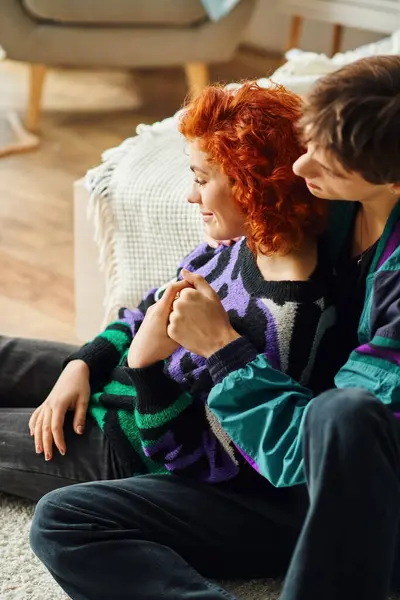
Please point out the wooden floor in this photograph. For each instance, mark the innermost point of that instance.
(84, 115)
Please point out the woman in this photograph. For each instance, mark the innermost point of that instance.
(147, 416)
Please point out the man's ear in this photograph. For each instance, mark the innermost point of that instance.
(395, 189)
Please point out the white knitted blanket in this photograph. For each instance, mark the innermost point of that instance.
(143, 224)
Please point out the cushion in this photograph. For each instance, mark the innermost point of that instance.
(118, 12)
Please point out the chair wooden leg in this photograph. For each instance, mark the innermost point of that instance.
(337, 39)
(37, 79)
(296, 27)
(197, 77)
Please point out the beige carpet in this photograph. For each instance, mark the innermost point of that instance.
(22, 577)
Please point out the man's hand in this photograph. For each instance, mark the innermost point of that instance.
(152, 343)
(198, 321)
(71, 392)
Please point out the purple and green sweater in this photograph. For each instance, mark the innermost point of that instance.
(157, 418)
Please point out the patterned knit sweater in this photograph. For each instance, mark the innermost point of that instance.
(157, 418)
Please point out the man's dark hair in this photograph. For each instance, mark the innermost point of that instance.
(354, 113)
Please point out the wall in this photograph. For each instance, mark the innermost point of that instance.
(269, 29)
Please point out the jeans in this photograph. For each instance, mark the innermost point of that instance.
(28, 371)
(154, 537)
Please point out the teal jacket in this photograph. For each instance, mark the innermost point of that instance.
(263, 409)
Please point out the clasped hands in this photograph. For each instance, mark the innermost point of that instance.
(189, 314)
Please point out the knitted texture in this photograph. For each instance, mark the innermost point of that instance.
(158, 415)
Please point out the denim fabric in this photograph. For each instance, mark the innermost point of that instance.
(348, 545)
(28, 371)
(156, 537)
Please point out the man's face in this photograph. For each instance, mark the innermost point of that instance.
(326, 178)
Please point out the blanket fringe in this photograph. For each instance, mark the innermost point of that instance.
(100, 212)
(98, 181)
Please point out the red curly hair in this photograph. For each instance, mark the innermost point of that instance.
(251, 135)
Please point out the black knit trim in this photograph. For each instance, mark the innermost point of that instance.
(155, 390)
(232, 357)
(118, 401)
(281, 291)
(101, 356)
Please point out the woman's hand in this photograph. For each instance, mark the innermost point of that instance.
(71, 392)
(198, 321)
(152, 343)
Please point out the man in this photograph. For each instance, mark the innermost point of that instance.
(141, 538)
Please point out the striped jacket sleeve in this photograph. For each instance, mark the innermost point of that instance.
(262, 410)
(375, 365)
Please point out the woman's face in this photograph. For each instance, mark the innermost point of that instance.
(212, 191)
